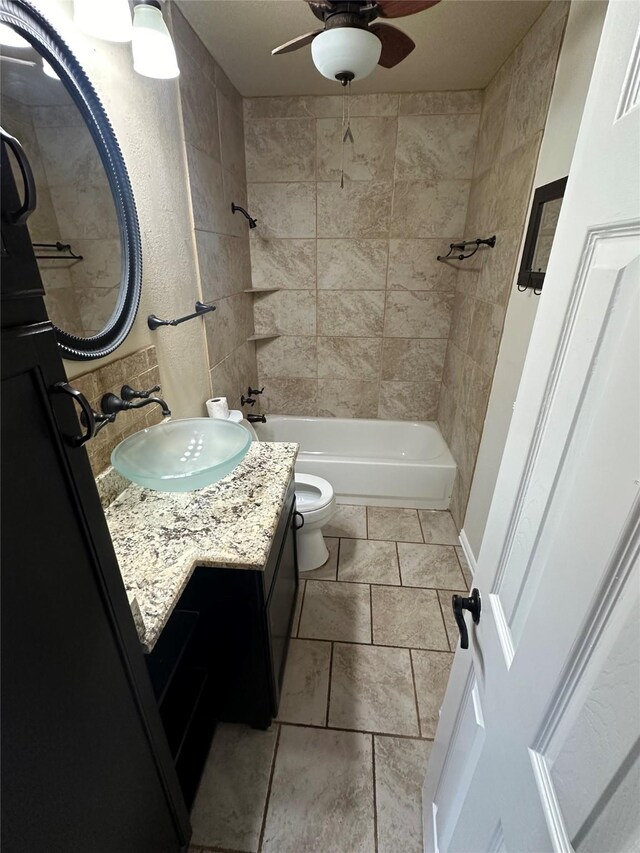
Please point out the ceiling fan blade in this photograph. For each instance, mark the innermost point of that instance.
(402, 8)
(295, 43)
(396, 45)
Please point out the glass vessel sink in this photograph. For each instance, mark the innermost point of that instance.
(183, 455)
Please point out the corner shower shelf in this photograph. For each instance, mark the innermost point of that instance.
(264, 337)
(262, 289)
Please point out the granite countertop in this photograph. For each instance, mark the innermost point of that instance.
(160, 537)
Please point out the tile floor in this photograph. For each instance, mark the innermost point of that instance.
(341, 770)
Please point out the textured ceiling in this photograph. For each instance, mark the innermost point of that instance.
(460, 44)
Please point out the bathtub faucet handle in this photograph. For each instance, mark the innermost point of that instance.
(252, 391)
(247, 401)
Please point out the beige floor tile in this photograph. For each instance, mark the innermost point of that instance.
(400, 765)
(431, 670)
(466, 571)
(306, 683)
(453, 634)
(372, 690)
(329, 571)
(336, 611)
(322, 793)
(433, 566)
(438, 527)
(368, 561)
(298, 608)
(230, 804)
(401, 525)
(407, 617)
(348, 521)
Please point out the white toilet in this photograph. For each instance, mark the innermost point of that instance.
(316, 504)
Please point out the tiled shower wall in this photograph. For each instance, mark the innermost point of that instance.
(364, 308)
(214, 142)
(513, 118)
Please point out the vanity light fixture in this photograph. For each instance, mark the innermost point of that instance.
(153, 52)
(10, 38)
(109, 20)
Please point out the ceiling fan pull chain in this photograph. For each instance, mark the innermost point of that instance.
(347, 135)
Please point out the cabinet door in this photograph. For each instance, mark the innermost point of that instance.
(280, 607)
(82, 768)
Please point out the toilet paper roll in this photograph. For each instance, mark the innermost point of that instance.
(217, 408)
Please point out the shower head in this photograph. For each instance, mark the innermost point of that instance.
(252, 222)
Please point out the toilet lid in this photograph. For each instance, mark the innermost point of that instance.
(312, 492)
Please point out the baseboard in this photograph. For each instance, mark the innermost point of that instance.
(466, 547)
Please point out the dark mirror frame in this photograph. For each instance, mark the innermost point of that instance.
(527, 278)
(34, 27)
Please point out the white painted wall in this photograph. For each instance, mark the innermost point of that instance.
(573, 75)
(147, 119)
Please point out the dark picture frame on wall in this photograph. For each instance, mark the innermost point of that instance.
(547, 201)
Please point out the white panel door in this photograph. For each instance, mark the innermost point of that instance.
(538, 745)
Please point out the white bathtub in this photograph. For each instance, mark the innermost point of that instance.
(380, 463)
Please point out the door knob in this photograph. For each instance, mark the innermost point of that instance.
(459, 604)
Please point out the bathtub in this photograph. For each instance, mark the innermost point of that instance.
(380, 463)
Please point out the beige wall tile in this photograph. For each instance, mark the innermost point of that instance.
(484, 338)
(358, 313)
(425, 209)
(369, 157)
(433, 103)
(463, 308)
(291, 312)
(199, 106)
(347, 398)
(478, 397)
(228, 326)
(352, 264)
(231, 138)
(321, 106)
(286, 263)
(224, 265)
(344, 358)
(499, 267)
(287, 356)
(281, 149)
(284, 210)
(408, 401)
(290, 396)
(417, 314)
(360, 209)
(207, 192)
(446, 412)
(514, 181)
(535, 65)
(435, 147)
(413, 265)
(413, 360)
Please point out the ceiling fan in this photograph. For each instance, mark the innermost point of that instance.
(352, 42)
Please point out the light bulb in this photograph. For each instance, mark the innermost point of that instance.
(48, 70)
(104, 19)
(10, 38)
(153, 52)
(346, 51)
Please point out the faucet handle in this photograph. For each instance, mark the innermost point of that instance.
(128, 393)
(255, 391)
(247, 401)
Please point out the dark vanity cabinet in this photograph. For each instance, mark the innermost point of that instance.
(221, 655)
(85, 766)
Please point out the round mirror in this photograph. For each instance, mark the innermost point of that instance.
(84, 228)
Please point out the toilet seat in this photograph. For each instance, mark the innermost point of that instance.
(312, 493)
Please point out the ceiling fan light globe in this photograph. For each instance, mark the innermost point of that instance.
(346, 50)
